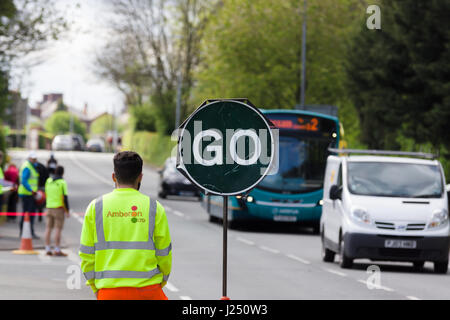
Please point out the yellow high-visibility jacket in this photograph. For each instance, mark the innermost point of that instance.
(125, 241)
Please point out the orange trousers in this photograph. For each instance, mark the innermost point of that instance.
(153, 292)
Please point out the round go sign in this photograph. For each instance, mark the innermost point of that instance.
(225, 147)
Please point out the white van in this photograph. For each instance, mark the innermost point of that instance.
(385, 208)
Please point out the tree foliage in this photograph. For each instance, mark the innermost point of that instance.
(26, 26)
(155, 44)
(252, 49)
(59, 123)
(399, 76)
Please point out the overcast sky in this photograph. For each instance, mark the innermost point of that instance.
(68, 63)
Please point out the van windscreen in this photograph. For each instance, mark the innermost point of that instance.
(388, 179)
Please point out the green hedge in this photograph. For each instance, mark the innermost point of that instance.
(154, 148)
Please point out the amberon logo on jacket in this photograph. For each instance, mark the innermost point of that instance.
(121, 214)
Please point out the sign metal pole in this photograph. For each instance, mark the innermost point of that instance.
(225, 248)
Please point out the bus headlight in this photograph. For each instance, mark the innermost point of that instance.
(361, 215)
(440, 217)
(250, 199)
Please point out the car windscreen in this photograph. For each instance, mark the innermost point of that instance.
(391, 179)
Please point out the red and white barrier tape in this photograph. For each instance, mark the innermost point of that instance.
(15, 214)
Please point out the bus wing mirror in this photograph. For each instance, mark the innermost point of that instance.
(335, 192)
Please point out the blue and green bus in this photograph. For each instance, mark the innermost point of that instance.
(294, 193)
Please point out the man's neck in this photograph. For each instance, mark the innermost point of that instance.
(122, 186)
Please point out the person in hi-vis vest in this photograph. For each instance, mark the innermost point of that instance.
(126, 250)
(28, 187)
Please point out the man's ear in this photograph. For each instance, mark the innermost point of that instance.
(114, 177)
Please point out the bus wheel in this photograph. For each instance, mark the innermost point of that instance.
(316, 229)
(233, 224)
(213, 219)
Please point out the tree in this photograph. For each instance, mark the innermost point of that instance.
(26, 26)
(61, 106)
(154, 43)
(102, 124)
(144, 117)
(399, 76)
(59, 123)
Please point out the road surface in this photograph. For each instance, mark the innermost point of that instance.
(263, 263)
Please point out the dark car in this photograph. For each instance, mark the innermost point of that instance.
(172, 182)
(95, 145)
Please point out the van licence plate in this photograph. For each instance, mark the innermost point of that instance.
(405, 244)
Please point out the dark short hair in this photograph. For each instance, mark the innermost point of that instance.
(59, 171)
(127, 166)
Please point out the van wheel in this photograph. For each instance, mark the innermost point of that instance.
(441, 267)
(327, 254)
(344, 261)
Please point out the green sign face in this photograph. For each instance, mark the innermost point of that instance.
(225, 147)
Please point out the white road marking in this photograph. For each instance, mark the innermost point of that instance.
(178, 213)
(72, 256)
(91, 172)
(412, 298)
(335, 272)
(298, 259)
(43, 257)
(243, 240)
(269, 249)
(171, 287)
(377, 287)
(185, 298)
(78, 217)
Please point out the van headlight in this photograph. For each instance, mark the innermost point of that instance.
(361, 215)
(440, 217)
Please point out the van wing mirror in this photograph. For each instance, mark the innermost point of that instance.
(335, 192)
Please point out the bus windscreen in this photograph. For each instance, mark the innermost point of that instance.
(303, 148)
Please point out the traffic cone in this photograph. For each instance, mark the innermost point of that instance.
(26, 245)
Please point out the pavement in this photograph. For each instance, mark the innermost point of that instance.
(9, 235)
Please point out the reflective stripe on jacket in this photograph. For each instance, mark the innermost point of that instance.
(32, 180)
(125, 241)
